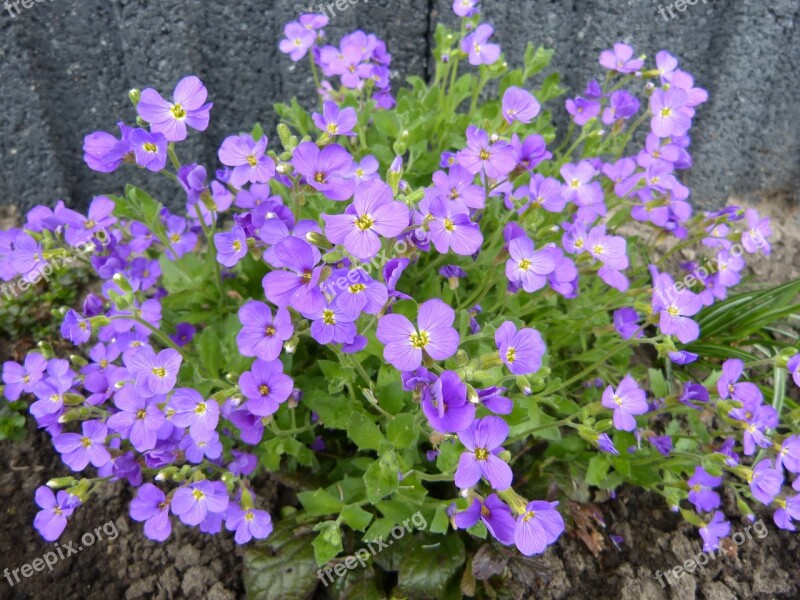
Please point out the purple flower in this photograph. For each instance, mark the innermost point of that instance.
(626, 401)
(193, 502)
(465, 8)
(404, 344)
(754, 238)
(539, 526)
(626, 322)
(171, 118)
(496, 159)
(579, 187)
(155, 374)
(482, 440)
(373, 213)
(765, 482)
(75, 328)
(80, 229)
(138, 419)
(78, 450)
(356, 292)
(457, 185)
(495, 515)
(700, 490)
(103, 152)
(582, 109)
(605, 444)
(451, 228)
(23, 378)
(52, 519)
(522, 350)
(519, 105)
(297, 287)
(542, 191)
(150, 149)
(152, 507)
(261, 334)
(333, 323)
(247, 158)
(265, 386)
(662, 443)
(621, 105)
(197, 451)
(231, 246)
(334, 121)
(528, 267)
(728, 385)
(325, 170)
(675, 308)
(297, 41)
(192, 411)
(693, 392)
(27, 258)
(477, 47)
(789, 454)
(620, 59)
(670, 117)
(714, 531)
(184, 333)
(248, 523)
(447, 407)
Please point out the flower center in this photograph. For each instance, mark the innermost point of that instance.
(198, 495)
(485, 154)
(160, 372)
(364, 222)
(617, 400)
(665, 112)
(269, 331)
(528, 516)
(328, 317)
(319, 177)
(150, 147)
(178, 112)
(89, 224)
(86, 442)
(252, 160)
(449, 225)
(511, 355)
(673, 311)
(419, 340)
(263, 389)
(175, 238)
(481, 453)
(200, 409)
(524, 264)
(307, 275)
(332, 128)
(598, 249)
(141, 413)
(357, 288)
(237, 245)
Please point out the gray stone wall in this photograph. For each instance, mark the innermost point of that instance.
(65, 67)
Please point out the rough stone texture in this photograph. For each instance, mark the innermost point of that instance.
(65, 67)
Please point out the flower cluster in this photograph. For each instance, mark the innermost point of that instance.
(447, 316)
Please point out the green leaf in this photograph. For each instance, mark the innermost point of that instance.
(356, 517)
(536, 60)
(288, 574)
(364, 432)
(440, 522)
(320, 502)
(598, 469)
(328, 544)
(210, 350)
(402, 431)
(426, 569)
(381, 477)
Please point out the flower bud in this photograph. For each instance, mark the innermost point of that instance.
(135, 95)
(319, 240)
(61, 482)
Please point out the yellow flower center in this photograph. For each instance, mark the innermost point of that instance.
(141, 413)
(673, 311)
(252, 160)
(364, 222)
(524, 264)
(328, 317)
(175, 238)
(200, 409)
(269, 331)
(332, 128)
(86, 442)
(160, 372)
(449, 225)
(665, 112)
(263, 389)
(198, 495)
(150, 147)
(357, 288)
(481, 453)
(237, 245)
(319, 177)
(419, 340)
(484, 154)
(178, 112)
(511, 355)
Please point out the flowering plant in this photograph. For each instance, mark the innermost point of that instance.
(413, 305)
